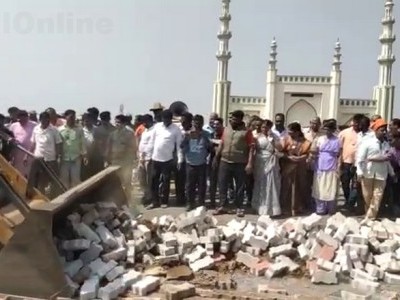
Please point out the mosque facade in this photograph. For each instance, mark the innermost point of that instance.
(302, 97)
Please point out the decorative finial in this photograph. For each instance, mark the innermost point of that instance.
(273, 54)
(336, 57)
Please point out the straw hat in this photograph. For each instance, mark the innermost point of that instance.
(157, 106)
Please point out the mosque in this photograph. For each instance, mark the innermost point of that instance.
(302, 97)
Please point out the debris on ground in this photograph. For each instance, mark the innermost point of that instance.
(105, 252)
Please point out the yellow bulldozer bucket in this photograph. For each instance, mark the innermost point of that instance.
(29, 261)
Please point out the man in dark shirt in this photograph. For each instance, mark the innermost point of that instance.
(5, 136)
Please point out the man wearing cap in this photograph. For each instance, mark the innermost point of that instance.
(373, 167)
(236, 159)
(157, 110)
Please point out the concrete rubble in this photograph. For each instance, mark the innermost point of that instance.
(106, 244)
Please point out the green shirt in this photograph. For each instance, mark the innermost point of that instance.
(73, 142)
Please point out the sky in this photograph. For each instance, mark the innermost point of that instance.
(82, 53)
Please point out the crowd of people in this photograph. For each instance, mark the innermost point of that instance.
(275, 169)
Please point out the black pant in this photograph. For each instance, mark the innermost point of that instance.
(159, 168)
(227, 172)
(196, 176)
(180, 179)
(348, 174)
(213, 174)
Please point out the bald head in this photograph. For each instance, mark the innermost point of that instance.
(315, 124)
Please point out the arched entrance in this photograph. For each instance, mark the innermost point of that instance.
(301, 112)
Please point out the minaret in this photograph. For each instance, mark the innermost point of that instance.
(336, 81)
(384, 92)
(272, 74)
(222, 86)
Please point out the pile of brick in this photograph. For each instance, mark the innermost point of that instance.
(100, 245)
(97, 247)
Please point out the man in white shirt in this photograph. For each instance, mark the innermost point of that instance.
(279, 126)
(365, 130)
(46, 144)
(165, 140)
(373, 168)
(144, 153)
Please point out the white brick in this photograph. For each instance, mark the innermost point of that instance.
(327, 265)
(292, 266)
(365, 285)
(76, 245)
(140, 245)
(352, 225)
(359, 274)
(106, 236)
(365, 231)
(392, 267)
(264, 221)
(276, 269)
(383, 258)
(169, 239)
(72, 268)
(345, 264)
(224, 247)
(388, 246)
(165, 251)
(356, 239)
(89, 289)
(91, 254)
(304, 254)
(91, 216)
(335, 221)
(72, 286)
(325, 277)
(341, 233)
(285, 249)
(106, 268)
(131, 277)
(111, 290)
(258, 242)
(114, 273)
(253, 251)
(86, 232)
(213, 235)
(374, 244)
(74, 218)
(315, 249)
(162, 260)
(391, 278)
(202, 264)
(198, 253)
(145, 286)
(247, 259)
(355, 259)
(311, 221)
(117, 254)
(325, 239)
(130, 255)
(374, 271)
(210, 249)
(361, 250)
(146, 231)
(229, 234)
(148, 259)
(235, 225)
(120, 237)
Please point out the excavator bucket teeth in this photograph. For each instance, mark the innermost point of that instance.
(29, 262)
